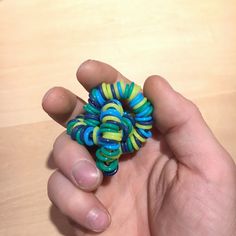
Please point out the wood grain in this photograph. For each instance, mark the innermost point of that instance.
(191, 43)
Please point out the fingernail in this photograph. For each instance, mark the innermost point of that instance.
(47, 94)
(85, 174)
(98, 220)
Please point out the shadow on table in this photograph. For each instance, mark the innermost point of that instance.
(61, 222)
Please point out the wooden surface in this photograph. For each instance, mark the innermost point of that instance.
(42, 42)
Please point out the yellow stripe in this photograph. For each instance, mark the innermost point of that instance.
(122, 85)
(104, 89)
(116, 91)
(113, 105)
(135, 91)
(109, 91)
(143, 126)
(106, 118)
(137, 135)
(95, 138)
(136, 147)
(140, 104)
(78, 123)
(112, 136)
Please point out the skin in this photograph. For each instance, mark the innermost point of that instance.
(182, 182)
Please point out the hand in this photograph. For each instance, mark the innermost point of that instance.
(181, 182)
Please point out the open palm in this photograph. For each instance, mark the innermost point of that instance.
(182, 182)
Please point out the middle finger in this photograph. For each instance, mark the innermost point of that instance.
(76, 163)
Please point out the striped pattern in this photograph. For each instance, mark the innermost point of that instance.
(117, 119)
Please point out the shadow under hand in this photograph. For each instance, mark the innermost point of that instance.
(61, 222)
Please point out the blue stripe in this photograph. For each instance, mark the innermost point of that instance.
(147, 118)
(88, 141)
(99, 97)
(138, 98)
(119, 89)
(113, 91)
(145, 133)
(110, 112)
(145, 112)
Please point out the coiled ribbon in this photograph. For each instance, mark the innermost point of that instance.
(109, 126)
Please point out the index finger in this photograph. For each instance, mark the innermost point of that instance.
(62, 105)
(92, 73)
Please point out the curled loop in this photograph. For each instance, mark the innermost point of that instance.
(113, 126)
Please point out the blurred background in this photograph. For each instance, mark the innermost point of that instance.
(42, 43)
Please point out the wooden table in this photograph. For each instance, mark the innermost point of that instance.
(191, 43)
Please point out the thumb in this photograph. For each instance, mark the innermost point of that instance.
(185, 131)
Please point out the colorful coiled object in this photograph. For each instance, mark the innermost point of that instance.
(109, 126)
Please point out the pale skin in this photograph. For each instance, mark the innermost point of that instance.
(181, 182)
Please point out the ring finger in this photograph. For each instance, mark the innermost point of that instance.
(82, 207)
(76, 163)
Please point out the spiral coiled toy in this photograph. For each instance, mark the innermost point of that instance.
(107, 125)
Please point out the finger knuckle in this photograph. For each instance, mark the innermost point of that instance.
(70, 208)
(192, 109)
